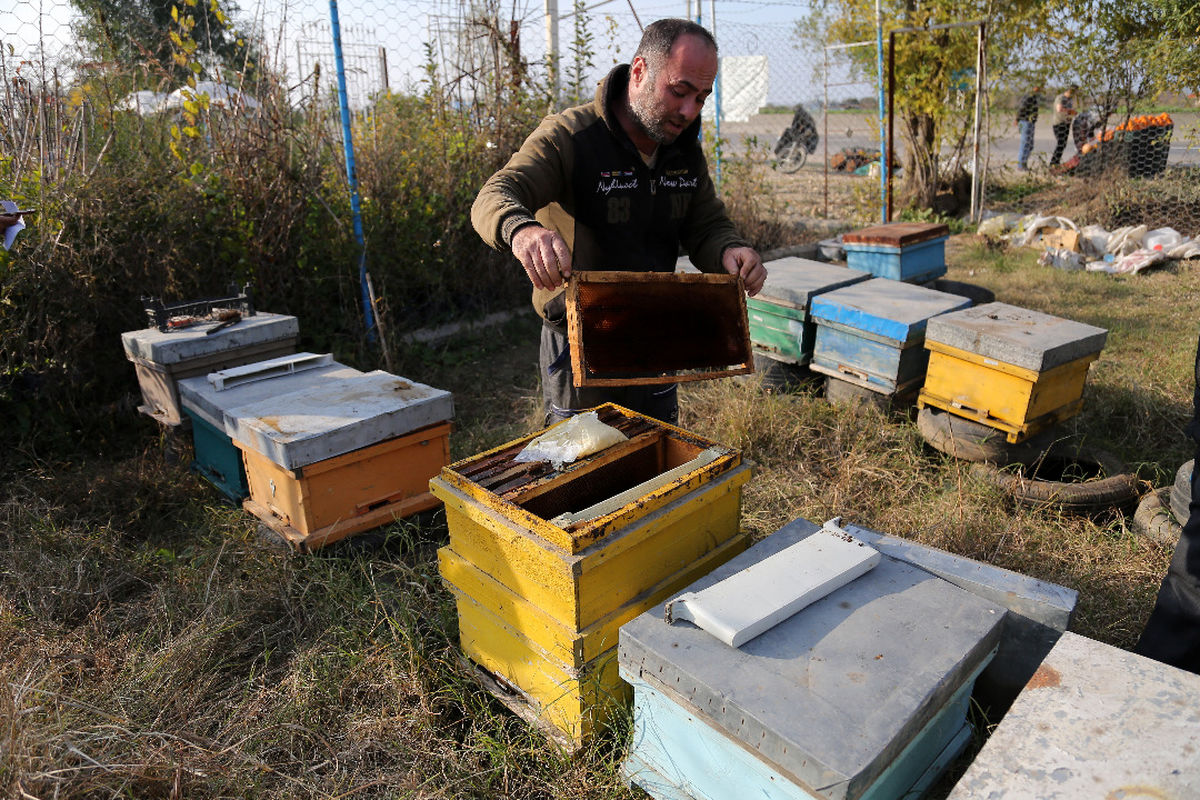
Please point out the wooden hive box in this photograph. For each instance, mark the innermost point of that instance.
(1017, 370)
(541, 596)
(779, 316)
(162, 358)
(629, 328)
(207, 399)
(870, 333)
(862, 694)
(902, 251)
(343, 455)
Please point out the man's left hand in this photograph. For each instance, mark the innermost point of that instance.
(746, 263)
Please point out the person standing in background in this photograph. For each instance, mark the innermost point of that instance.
(1064, 113)
(1027, 114)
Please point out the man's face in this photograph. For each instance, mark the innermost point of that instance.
(664, 101)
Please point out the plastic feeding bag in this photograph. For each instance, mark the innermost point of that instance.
(581, 435)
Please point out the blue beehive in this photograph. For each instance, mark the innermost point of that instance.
(862, 694)
(207, 399)
(871, 333)
(902, 251)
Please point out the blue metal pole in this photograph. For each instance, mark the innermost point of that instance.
(712, 7)
(884, 166)
(351, 172)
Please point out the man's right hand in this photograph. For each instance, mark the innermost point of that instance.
(543, 254)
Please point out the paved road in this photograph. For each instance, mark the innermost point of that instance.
(859, 130)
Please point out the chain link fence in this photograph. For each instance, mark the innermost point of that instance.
(1117, 165)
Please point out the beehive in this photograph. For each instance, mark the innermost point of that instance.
(779, 316)
(343, 455)
(1093, 721)
(870, 333)
(541, 595)
(862, 694)
(902, 251)
(162, 358)
(209, 400)
(1016, 370)
(630, 328)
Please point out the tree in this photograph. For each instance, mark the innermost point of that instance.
(930, 68)
(139, 33)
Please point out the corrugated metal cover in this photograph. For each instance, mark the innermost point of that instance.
(1017, 336)
(793, 281)
(885, 307)
(833, 694)
(201, 396)
(336, 416)
(172, 347)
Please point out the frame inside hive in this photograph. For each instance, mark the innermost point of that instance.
(628, 328)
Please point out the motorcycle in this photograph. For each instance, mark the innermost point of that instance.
(797, 142)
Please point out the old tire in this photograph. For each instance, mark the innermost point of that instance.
(976, 442)
(978, 295)
(1031, 487)
(1181, 492)
(840, 392)
(775, 375)
(1153, 519)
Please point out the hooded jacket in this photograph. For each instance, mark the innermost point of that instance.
(580, 175)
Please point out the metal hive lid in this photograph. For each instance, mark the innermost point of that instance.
(1017, 336)
(793, 281)
(172, 347)
(886, 307)
(833, 694)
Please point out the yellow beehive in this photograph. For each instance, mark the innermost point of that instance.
(1016, 370)
(540, 597)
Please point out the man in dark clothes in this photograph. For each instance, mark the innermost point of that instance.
(1027, 114)
(1172, 634)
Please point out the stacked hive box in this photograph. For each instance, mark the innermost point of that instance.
(209, 399)
(870, 333)
(902, 251)
(341, 454)
(862, 694)
(162, 358)
(546, 564)
(780, 318)
(1010, 368)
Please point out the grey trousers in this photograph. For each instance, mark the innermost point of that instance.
(562, 399)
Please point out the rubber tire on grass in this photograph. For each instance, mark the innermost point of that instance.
(1118, 489)
(840, 392)
(978, 295)
(1181, 492)
(1154, 519)
(774, 375)
(973, 441)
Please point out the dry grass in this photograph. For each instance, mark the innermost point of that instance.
(155, 646)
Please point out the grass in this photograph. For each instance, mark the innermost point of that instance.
(156, 646)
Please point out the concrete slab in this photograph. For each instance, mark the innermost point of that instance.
(1095, 721)
(1017, 336)
(833, 694)
(175, 346)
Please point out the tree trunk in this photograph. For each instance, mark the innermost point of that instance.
(920, 162)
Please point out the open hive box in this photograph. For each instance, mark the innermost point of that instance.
(546, 564)
(656, 327)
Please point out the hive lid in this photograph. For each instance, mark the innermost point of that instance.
(212, 396)
(885, 307)
(793, 281)
(336, 415)
(1094, 721)
(175, 346)
(897, 234)
(1017, 336)
(833, 694)
(631, 328)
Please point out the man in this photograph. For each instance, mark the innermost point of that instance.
(1027, 114)
(1172, 634)
(619, 183)
(1064, 113)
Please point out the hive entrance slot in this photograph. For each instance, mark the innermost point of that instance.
(639, 461)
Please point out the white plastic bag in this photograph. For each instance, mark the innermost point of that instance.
(581, 435)
(1061, 258)
(1093, 241)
